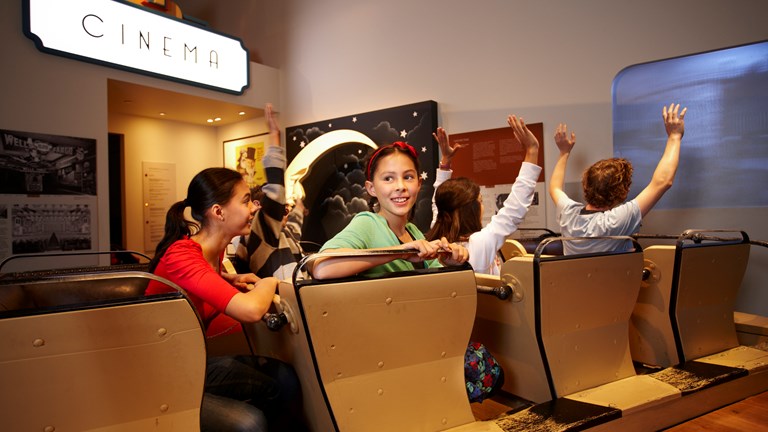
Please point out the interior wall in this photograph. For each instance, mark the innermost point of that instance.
(550, 62)
(189, 147)
(50, 94)
(150, 140)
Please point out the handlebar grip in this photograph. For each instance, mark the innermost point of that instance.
(275, 321)
(503, 292)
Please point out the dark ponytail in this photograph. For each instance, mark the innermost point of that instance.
(210, 186)
(176, 228)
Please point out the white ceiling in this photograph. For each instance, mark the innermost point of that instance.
(138, 100)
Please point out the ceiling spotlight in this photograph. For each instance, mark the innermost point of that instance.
(162, 114)
(242, 113)
(210, 120)
(217, 119)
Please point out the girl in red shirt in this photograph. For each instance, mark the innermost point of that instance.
(242, 393)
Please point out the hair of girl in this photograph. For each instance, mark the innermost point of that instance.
(458, 210)
(208, 187)
(606, 183)
(381, 152)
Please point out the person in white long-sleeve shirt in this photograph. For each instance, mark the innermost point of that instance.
(457, 205)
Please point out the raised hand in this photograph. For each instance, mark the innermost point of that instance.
(674, 123)
(522, 133)
(564, 143)
(447, 150)
(526, 138)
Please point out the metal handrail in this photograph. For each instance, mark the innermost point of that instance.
(72, 254)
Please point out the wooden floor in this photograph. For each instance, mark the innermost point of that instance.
(750, 414)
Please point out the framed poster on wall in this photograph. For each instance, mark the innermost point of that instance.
(244, 156)
(47, 193)
(43, 164)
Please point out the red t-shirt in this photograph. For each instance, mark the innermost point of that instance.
(184, 265)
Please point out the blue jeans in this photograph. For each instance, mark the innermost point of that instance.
(250, 394)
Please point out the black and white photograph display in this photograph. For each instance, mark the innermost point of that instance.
(39, 228)
(39, 164)
(333, 182)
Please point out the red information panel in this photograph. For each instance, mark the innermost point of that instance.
(493, 156)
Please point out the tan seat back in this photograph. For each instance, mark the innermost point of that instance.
(708, 282)
(390, 351)
(585, 306)
(124, 365)
(291, 345)
(511, 248)
(568, 332)
(685, 308)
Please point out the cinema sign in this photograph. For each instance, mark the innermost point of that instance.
(127, 36)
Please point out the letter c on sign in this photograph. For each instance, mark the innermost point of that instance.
(86, 29)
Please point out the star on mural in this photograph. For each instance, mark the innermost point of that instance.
(423, 149)
(354, 119)
(403, 133)
(302, 144)
(415, 114)
(424, 175)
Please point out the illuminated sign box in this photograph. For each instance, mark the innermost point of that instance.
(127, 36)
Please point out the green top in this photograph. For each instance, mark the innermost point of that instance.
(369, 230)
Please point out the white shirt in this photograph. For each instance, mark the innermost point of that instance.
(484, 245)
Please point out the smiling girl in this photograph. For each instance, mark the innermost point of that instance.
(391, 179)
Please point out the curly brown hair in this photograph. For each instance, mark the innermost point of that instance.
(606, 183)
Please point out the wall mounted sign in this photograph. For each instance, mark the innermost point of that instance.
(494, 156)
(127, 36)
(159, 194)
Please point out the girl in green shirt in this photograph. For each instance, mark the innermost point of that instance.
(392, 178)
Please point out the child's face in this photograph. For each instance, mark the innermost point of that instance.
(396, 184)
(239, 210)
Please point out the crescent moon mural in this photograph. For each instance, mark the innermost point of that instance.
(301, 165)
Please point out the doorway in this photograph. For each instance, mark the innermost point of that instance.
(116, 210)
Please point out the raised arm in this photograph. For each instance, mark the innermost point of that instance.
(447, 151)
(565, 145)
(268, 222)
(664, 175)
(274, 162)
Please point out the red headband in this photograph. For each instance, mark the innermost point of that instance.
(400, 144)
